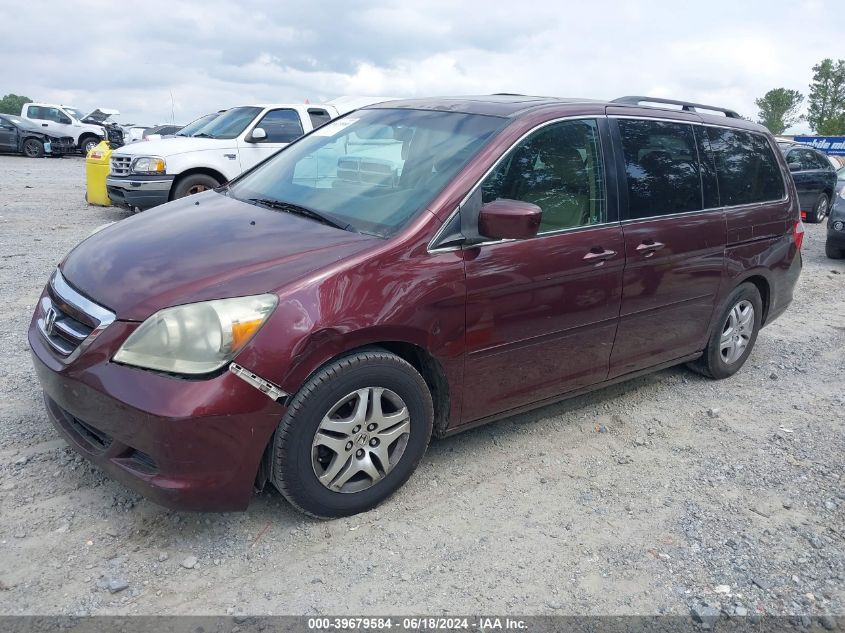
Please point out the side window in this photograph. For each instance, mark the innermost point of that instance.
(794, 158)
(821, 162)
(282, 126)
(559, 168)
(318, 117)
(35, 112)
(661, 163)
(747, 169)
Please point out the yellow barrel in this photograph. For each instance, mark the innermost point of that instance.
(96, 172)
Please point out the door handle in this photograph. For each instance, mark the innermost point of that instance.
(649, 247)
(598, 256)
(43, 125)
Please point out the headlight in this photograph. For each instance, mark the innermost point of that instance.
(196, 338)
(148, 165)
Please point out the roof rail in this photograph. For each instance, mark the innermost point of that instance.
(686, 106)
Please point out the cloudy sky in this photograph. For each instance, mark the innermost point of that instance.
(214, 54)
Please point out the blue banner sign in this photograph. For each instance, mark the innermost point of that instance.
(830, 145)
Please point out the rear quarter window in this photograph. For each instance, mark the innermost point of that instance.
(746, 167)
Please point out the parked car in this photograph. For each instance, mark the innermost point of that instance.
(86, 130)
(412, 268)
(815, 179)
(834, 247)
(161, 130)
(22, 137)
(144, 175)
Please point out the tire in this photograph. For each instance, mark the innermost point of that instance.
(195, 183)
(352, 486)
(714, 363)
(33, 148)
(820, 209)
(833, 252)
(87, 143)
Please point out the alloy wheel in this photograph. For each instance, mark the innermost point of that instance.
(30, 148)
(821, 212)
(737, 331)
(360, 440)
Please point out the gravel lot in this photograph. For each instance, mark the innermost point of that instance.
(656, 496)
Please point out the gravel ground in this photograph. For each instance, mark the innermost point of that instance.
(661, 495)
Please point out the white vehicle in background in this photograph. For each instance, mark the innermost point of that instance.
(147, 174)
(86, 130)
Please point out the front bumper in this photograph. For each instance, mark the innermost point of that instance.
(184, 444)
(143, 192)
(60, 146)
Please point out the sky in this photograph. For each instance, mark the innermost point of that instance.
(174, 61)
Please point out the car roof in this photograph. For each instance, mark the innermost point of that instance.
(515, 105)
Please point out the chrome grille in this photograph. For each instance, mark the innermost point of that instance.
(120, 165)
(69, 321)
(371, 171)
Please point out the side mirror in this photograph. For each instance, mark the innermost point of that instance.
(65, 121)
(794, 166)
(509, 220)
(258, 134)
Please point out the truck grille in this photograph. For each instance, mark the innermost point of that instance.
(371, 171)
(120, 165)
(67, 320)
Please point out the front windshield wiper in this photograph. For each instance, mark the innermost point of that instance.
(296, 209)
(202, 135)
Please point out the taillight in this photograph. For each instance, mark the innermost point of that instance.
(798, 234)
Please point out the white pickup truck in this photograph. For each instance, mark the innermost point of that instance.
(147, 174)
(61, 120)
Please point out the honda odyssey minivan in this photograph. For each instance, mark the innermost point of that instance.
(411, 269)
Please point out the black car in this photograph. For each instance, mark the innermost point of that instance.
(23, 137)
(834, 247)
(815, 180)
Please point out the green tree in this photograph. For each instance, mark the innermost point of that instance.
(826, 113)
(12, 104)
(779, 109)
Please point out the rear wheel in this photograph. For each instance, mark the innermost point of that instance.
(195, 183)
(820, 209)
(352, 435)
(33, 148)
(832, 251)
(734, 336)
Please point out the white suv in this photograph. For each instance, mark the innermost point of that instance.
(62, 120)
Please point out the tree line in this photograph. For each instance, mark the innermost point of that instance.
(780, 107)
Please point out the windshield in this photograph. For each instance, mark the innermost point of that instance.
(77, 113)
(374, 169)
(196, 126)
(230, 124)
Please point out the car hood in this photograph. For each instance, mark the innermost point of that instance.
(172, 146)
(99, 115)
(207, 246)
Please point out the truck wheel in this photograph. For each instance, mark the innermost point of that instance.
(87, 143)
(195, 183)
(352, 435)
(33, 148)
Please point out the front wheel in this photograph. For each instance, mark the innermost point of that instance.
(352, 435)
(820, 209)
(734, 336)
(33, 148)
(195, 183)
(88, 143)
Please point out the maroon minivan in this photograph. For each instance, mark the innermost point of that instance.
(413, 268)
